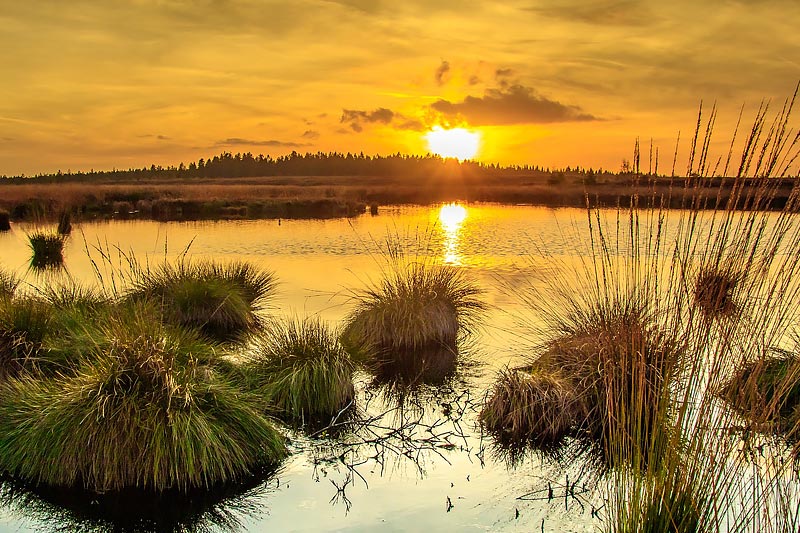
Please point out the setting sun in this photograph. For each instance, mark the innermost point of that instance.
(457, 142)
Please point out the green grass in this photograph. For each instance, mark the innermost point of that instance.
(301, 371)
(147, 409)
(418, 310)
(222, 301)
(24, 324)
(47, 249)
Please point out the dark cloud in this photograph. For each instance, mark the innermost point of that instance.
(310, 134)
(236, 141)
(355, 118)
(162, 137)
(474, 79)
(514, 105)
(443, 73)
(503, 73)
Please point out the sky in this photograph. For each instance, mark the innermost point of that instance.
(98, 84)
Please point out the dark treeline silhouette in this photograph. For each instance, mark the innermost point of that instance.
(243, 165)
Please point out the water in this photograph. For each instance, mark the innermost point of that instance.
(446, 479)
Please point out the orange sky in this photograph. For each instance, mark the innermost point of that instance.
(99, 84)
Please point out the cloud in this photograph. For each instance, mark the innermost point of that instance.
(443, 73)
(310, 134)
(513, 105)
(236, 141)
(599, 12)
(355, 118)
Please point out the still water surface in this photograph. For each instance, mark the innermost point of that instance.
(454, 481)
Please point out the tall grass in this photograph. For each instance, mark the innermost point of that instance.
(64, 223)
(8, 284)
(413, 317)
(302, 372)
(631, 326)
(146, 409)
(24, 325)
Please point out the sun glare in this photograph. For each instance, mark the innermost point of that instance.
(457, 142)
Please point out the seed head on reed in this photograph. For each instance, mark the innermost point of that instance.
(147, 409)
(47, 248)
(418, 308)
(715, 291)
(222, 301)
(537, 408)
(301, 370)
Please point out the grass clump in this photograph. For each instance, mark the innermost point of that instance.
(8, 284)
(5, 220)
(413, 316)
(47, 248)
(537, 408)
(222, 301)
(767, 392)
(620, 364)
(147, 409)
(302, 371)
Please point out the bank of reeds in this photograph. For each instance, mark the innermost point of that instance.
(221, 300)
(413, 317)
(634, 311)
(47, 249)
(146, 408)
(301, 371)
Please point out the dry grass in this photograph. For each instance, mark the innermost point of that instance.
(538, 408)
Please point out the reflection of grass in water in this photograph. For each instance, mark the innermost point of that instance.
(5, 220)
(221, 507)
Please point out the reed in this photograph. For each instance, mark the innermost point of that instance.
(47, 248)
(301, 371)
(146, 410)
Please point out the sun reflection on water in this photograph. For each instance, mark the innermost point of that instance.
(451, 217)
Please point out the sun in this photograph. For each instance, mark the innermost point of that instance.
(457, 142)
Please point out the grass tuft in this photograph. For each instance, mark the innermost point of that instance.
(5, 220)
(222, 301)
(302, 371)
(8, 284)
(47, 248)
(415, 315)
(715, 291)
(24, 325)
(537, 408)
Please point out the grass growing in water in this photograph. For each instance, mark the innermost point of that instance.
(64, 223)
(535, 407)
(220, 300)
(47, 248)
(413, 316)
(301, 371)
(5, 220)
(147, 409)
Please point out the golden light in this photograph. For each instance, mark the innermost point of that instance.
(457, 142)
(451, 216)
